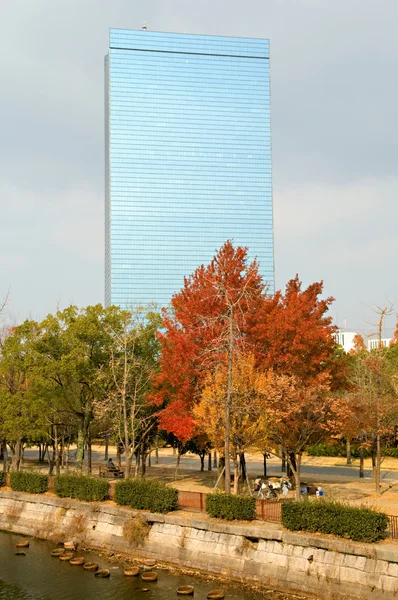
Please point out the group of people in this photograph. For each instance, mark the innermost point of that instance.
(273, 486)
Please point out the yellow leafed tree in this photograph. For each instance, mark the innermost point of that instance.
(246, 427)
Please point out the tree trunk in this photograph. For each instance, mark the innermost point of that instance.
(236, 476)
(348, 451)
(209, 461)
(227, 483)
(378, 465)
(50, 459)
(156, 450)
(295, 466)
(45, 451)
(361, 461)
(62, 451)
(89, 454)
(144, 454)
(119, 456)
(202, 461)
(56, 451)
(283, 467)
(265, 464)
(177, 465)
(126, 439)
(291, 464)
(16, 457)
(137, 463)
(80, 445)
(67, 455)
(221, 471)
(5, 456)
(215, 459)
(242, 464)
(106, 447)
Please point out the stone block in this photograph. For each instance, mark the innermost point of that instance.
(268, 571)
(389, 584)
(333, 558)
(350, 575)
(296, 563)
(287, 549)
(392, 569)
(388, 552)
(355, 562)
(381, 567)
(309, 552)
(252, 568)
(318, 555)
(297, 551)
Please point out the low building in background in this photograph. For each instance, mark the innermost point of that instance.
(373, 343)
(346, 339)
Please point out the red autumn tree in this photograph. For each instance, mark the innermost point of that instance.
(222, 313)
(296, 335)
(211, 323)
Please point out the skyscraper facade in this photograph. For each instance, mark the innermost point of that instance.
(188, 159)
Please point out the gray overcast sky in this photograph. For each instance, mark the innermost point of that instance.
(334, 127)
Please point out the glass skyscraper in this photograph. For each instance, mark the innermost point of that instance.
(188, 158)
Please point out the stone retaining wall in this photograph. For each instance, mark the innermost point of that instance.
(263, 552)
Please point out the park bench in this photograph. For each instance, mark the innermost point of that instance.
(110, 472)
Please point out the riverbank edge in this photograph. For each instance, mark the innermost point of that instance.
(259, 553)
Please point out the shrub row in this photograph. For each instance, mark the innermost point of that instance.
(3, 478)
(146, 494)
(335, 450)
(33, 483)
(81, 487)
(359, 524)
(390, 452)
(339, 450)
(226, 506)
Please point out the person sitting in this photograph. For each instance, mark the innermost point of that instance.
(257, 484)
(111, 466)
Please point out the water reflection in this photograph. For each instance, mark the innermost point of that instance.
(38, 576)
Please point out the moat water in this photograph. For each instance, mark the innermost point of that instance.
(39, 576)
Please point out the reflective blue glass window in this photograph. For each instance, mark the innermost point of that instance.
(188, 158)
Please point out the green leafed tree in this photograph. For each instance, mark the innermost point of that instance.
(72, 353)
(22, 409)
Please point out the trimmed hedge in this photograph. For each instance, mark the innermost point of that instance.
(33, 483)
(393, 452)
(3, 478)
(81, 487)
(336, 450)
(146, 494)
(229, 507)
(340, 451)
(326, 450)
(359, 524)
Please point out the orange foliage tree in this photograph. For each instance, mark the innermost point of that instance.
(358, 344)
(245, 430)
(296, 335)
(298, 413)
(222, 314)
(209, 326)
